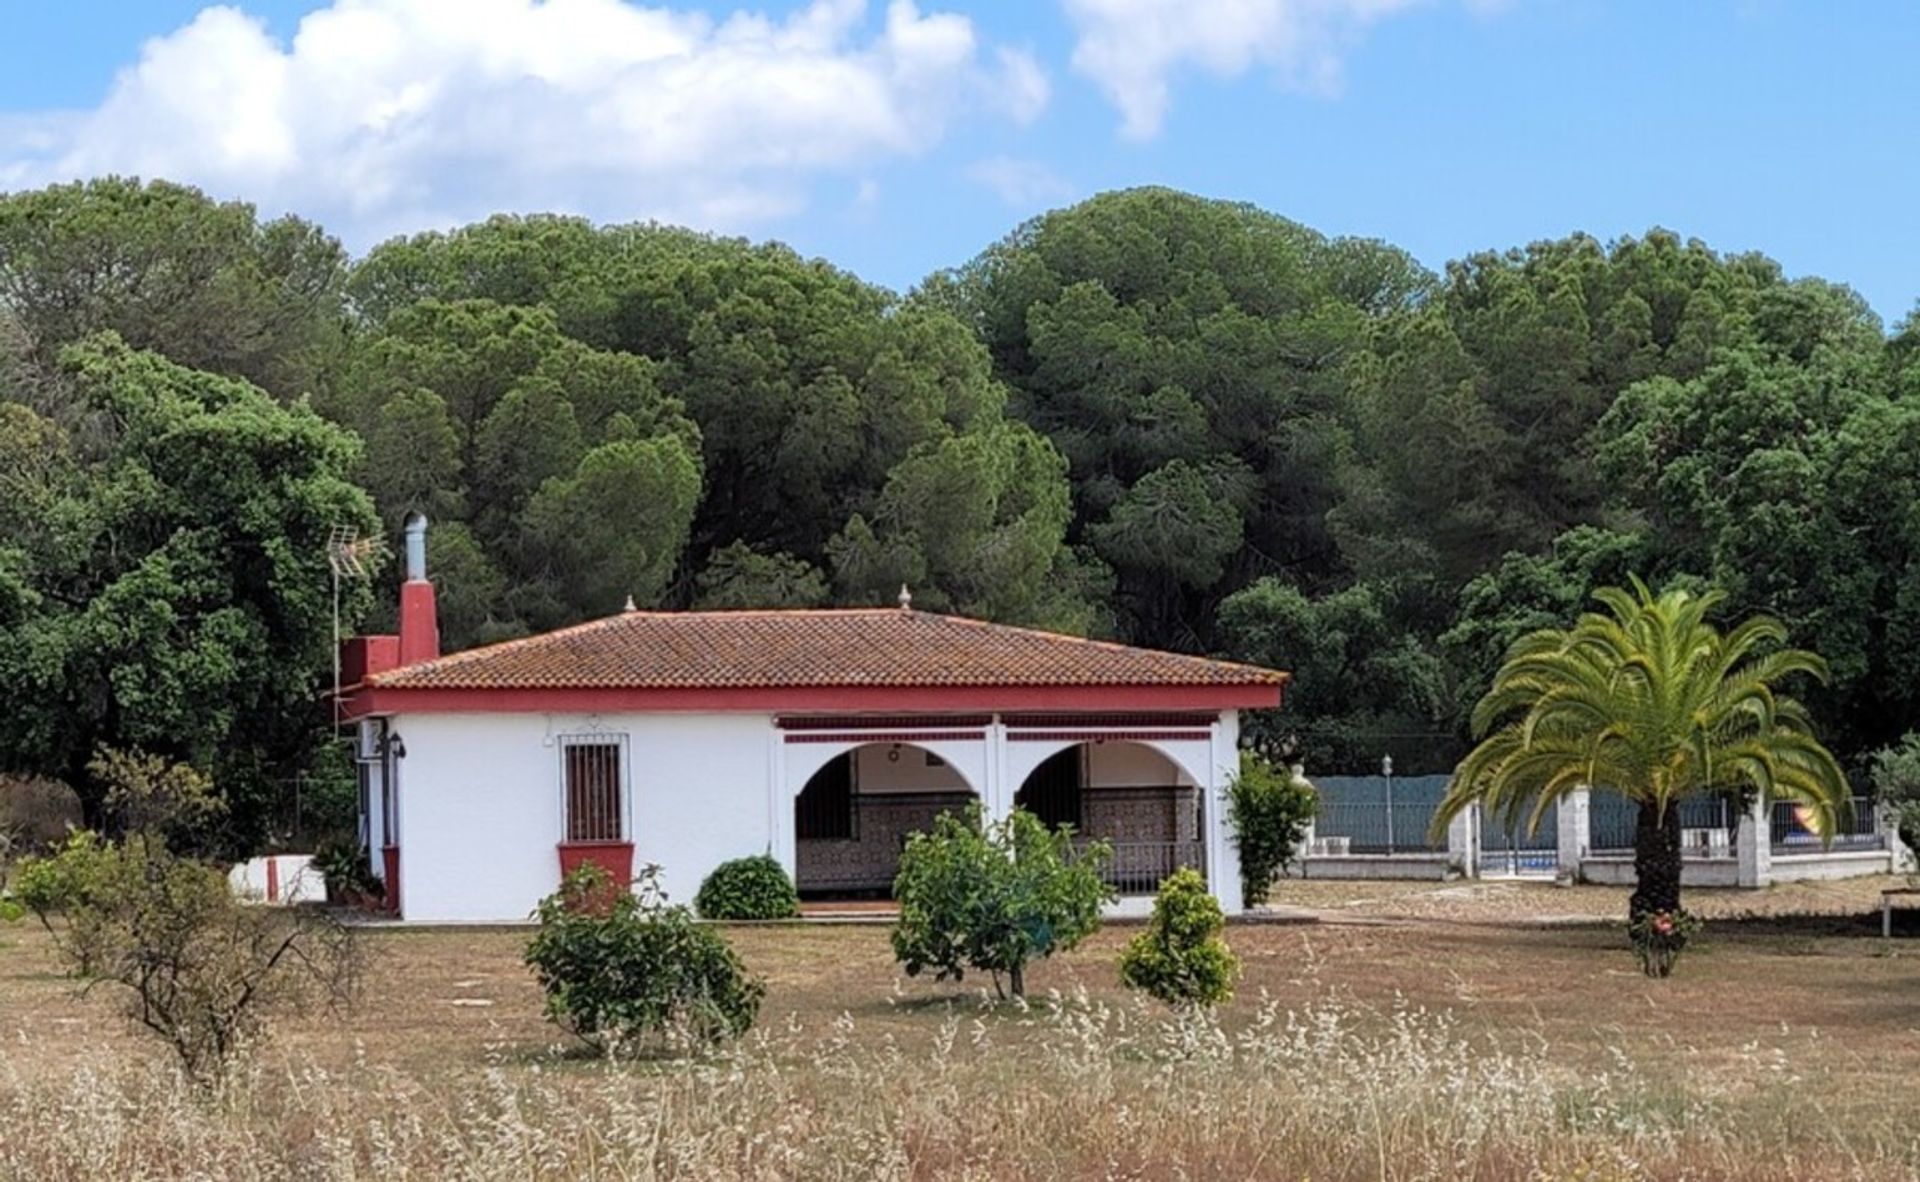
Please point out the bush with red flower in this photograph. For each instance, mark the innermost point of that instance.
(1658, 937)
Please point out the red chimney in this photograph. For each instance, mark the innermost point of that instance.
(419, 617)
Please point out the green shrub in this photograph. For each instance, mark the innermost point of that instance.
(1181, 959)
(995, 898)
(196, 966)
(66, 881)
(348, 873)
(748, 888)
(1896, 782)
(1269, 809)
(625, 972)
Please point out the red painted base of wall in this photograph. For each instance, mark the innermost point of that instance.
(614, 857)
(390, 854)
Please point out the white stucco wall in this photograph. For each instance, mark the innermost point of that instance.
(481, 804)
(1131, 765)
(909, 773)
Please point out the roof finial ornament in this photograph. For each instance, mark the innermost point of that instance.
(630, 605)
(906, 598)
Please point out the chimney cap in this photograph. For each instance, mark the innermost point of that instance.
(906, 598)
(630, 607)
(416, 546)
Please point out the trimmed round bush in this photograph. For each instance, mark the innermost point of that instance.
(748, 888)
(1180, 958)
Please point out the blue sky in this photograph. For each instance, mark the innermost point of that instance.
(894, 140)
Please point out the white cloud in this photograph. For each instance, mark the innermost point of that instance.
(1021, 183)
(1130, 48)
(387, 115)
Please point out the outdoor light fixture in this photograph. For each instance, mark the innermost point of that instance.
(893, 753)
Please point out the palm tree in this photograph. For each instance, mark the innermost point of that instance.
(1649, 700)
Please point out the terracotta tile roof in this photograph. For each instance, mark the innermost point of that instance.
(834, 647)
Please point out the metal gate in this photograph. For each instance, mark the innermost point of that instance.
(1515, 853)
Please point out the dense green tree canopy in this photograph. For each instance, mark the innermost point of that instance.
(1179, 422)
(167, 588)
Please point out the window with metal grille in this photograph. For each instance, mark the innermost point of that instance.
(595, 804)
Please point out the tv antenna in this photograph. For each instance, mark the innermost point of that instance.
(348, 557)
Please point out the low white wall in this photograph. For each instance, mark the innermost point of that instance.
(1830, 865)
(291, 879)
(1706, 872)
(481, 804)
(1413, 867)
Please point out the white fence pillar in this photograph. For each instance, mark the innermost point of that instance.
(1755, 842)
(1573, 833)
(1463, 841)
(1903, 856)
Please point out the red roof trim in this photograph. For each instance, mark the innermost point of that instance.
(884, 737)
(1161, 719)
(841, 722)
(377, 699)
(1103, 736)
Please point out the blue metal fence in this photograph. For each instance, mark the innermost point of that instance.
(1793, 835)
(1380, 814)
(1710, 820)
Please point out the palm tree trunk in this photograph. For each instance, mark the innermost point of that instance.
(1656, 862)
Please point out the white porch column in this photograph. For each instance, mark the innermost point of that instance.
(996, 795)
(1463, 841)
(1573, 838)
(1755, 841)
(1223, 856)
(780, 823)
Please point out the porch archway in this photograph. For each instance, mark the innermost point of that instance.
(853, 815)
(1131, 794)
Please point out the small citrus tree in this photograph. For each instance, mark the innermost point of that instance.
(627, 972)
(1269, 809)
(1181, 959)
(995, 897)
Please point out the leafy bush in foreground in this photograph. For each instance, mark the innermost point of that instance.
(624, 971)
(1269, 809)
(1180, 959)
(994, 898)
(748, 888)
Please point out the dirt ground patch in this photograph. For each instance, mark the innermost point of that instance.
(447, 998)
(1537, 902)
(1773, 1026)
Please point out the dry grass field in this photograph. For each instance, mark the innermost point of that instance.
(1408, 1035)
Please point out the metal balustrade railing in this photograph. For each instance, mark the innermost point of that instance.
(1793, 834)
(1139, 867)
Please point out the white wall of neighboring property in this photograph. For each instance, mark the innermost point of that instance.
(481, 804)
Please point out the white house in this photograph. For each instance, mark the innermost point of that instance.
(821, 736)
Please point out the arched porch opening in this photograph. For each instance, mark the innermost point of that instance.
(854, 814)
(1129, 794)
